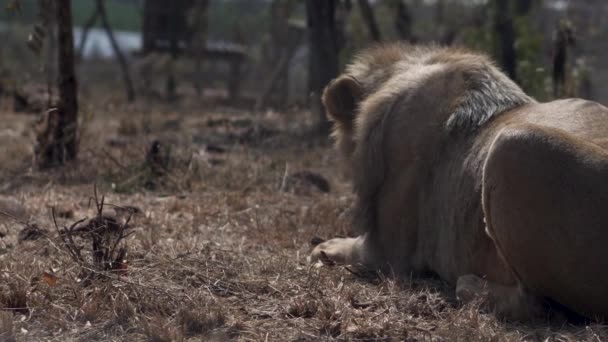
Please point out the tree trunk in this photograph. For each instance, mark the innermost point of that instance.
(57, 141)
(68, 88)
(523, 7)
(200, 24)
(403, 21)
(280, 12)
(171, 82)
(563, 40)
(368, 16)
(323, 64)
(51, 57)
(119, 55)
(503, 26)
(280, 71)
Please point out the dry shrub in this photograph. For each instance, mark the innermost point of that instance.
(158, 329)
(301, 308)
(106, 235)
(200, 321)
(13, 297)
(331, 329)
(123, 310)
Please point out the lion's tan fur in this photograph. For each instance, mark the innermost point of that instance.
(417, 137)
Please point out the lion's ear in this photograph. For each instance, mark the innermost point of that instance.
(341, 98)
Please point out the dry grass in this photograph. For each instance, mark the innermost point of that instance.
(216, 250)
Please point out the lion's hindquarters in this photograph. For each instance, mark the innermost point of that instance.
(544, 197)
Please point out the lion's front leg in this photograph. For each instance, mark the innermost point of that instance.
(341, 251)
(511, 302)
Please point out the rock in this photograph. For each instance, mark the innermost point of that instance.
(31, 232)
(117, 141)
(64, 211)
(172, 124)
(305, 182)
(254, 134)
(210, 148)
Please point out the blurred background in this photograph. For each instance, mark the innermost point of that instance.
(202, 119)
(258, 59)
(280, 53)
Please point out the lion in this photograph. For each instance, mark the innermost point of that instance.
(456, 171)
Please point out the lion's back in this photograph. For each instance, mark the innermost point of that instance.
(584, 119)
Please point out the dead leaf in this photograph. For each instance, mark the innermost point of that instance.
(49, 278)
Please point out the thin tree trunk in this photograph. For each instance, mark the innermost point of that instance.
(51, 58)
(523, 7)
(199, 41)
(503, 25)
(403, 21)
(280, 12)
(323, 52)
(171, 82)
(84, 35)
(368, 16)
(280, 71)
(563, 40)
(68, 88)
(119, 55)
(440, 12)
(57, 141)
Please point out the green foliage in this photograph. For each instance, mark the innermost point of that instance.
(479, 39)
(356, 33)
(246, 18)
(123, 15)
(532, 76)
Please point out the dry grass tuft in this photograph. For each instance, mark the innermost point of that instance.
(214, 250)
(13, 298)
(200, 321)
(6, 327)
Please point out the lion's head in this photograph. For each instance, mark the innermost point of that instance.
(396, 105)
(385, 73)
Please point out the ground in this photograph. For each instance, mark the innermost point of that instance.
(224, 218)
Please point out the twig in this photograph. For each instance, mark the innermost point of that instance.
(111, 158)
(66, 236)
(284, 180)
(12, 217)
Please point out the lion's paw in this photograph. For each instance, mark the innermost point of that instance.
(338, 251)
(469, 287)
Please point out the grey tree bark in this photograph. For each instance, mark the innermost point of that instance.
(505, 31)
(403, 21)
(57, 140)
(368, 16)
(324, 50)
